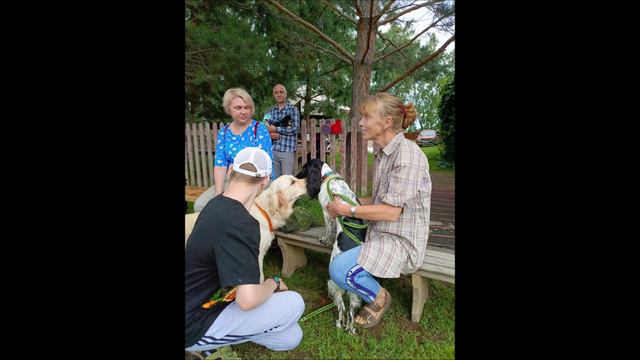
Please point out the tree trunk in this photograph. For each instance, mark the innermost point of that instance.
(362, 67)
(363, 64)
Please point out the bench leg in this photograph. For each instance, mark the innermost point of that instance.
(420, 296)
(292, 258)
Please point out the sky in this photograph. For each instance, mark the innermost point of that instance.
(423, 19)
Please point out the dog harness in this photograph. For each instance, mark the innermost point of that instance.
(266, 216)
(347, 226)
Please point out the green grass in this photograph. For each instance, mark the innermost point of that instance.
(395, 338)
(313, 206)
(434, 155)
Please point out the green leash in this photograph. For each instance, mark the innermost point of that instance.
(346, 225)
(317, 312)
(345, 229)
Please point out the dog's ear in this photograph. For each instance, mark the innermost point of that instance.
(314, 179)
(303, 173)
(282, 200)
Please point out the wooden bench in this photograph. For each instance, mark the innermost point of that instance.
(439, 263)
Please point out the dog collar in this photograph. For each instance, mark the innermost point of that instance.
(325, 176)
(266, 217)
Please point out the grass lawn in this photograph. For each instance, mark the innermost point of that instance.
(433, 153)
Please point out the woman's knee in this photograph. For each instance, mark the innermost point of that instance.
(337, 271)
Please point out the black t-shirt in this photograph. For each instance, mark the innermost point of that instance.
(222, 251)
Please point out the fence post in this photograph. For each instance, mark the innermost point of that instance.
(210, 146)
(343, 151)
(332, 154)
(191, 180)
(203, 155)
(194, 134)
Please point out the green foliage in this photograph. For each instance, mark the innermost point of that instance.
(250, 44)
(447, 112)
(226, 46)
(436, 162)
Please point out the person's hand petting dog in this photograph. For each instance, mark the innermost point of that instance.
(336, 208)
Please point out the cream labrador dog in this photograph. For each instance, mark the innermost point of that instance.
(271, 208)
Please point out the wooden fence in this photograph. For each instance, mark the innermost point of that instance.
(200, 140)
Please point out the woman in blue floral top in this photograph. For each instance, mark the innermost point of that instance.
(241, 132)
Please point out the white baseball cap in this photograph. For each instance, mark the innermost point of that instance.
(256, 157)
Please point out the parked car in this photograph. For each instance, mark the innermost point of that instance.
(427, 137)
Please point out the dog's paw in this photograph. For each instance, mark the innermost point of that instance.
(323, 240)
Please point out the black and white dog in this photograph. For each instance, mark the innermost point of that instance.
(318, 175)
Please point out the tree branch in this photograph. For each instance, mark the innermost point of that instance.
(358, 8)
(394, 45)
(340, 13)
(389, 19)
(387, 7)
(328, 51)
(417, 66)
(333, 70)
(200, 51)
(314, 29)
(382, 57)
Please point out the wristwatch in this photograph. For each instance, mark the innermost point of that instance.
(353, 211)
(276, 278)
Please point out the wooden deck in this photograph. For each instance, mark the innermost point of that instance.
(191, 193)
(442, 225)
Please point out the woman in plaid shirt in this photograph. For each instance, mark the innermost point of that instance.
(398, 210)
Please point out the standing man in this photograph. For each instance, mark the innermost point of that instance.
(284, 134)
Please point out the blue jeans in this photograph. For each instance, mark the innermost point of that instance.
(350, 276)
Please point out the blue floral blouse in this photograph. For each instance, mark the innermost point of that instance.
(229, 144)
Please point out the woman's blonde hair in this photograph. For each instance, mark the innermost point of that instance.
(233, 93)
(388, 105)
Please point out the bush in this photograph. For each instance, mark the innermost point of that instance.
(447, 114)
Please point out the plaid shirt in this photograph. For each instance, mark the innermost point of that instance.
(402, 180)
(288, 141)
